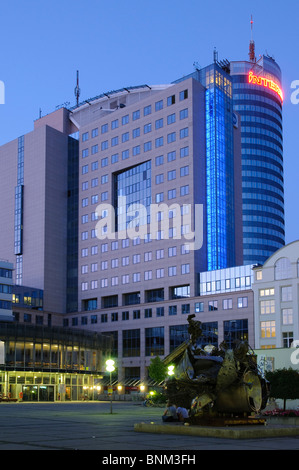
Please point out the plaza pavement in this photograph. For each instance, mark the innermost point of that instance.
(91, 426)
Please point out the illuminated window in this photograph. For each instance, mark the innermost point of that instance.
(268, 329)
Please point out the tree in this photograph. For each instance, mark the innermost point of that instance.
(157, 370)
(284, 384)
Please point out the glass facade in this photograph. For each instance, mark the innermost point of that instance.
(72, 225)
(219, 168)
(260, 109)
(132, 186)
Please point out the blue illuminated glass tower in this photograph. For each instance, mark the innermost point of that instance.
(257, 98)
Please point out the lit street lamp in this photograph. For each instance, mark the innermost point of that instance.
(110, 368)
(170, 370)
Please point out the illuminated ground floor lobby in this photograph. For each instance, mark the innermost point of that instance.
(44, 386)
(41, 364)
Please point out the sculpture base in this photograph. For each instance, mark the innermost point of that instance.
(224, 432)
(226, 421)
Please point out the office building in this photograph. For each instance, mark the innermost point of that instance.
(38, 206)
(258, 98)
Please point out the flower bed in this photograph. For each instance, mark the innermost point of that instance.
(277, 413)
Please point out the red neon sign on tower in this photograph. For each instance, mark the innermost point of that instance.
(266, 82)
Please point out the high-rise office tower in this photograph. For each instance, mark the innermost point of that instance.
(258, 98)
(38, 207)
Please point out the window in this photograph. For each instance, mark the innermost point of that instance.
(114, 124)
(160, 311)
(184, 152)
(136, 115)
(159, 123)
(114, 316)
(114, 141)
(283, 269)
(125, 316)
(267, 307)
(131, 343)
(287, 338)
(85, 137)
(148, 313)
(147, 146)
(171, 175)
(213, 305)
(160, 253)
(172, 193)
(160, 273)
(125, 137)
(148, 275)
(183, 95)
(136, 150)
(172, 310)
(185, 308)
(104, 145)
(186, 268)
(184, 113)
(268, 329)
(147, 128)
(184, 171)
(184, 190)
(125, 154)
(136, 132)
(159, 178)
(104, 318)
(104, 128)
(172, 251)
(154, 341)
(136, 277)
(93, 319)
(94, 149)
(242, 302)
(199, 307)
(184, 133)
(172, 271)
(159, 160)
(266, 292)
(171, 118)
(85, 153)
(147, 110)
(159, 105)
(125, 119)
(94, 166)
(171, 156)
(171, 137)
(286, 294)
(171, 100)
(287, 316)
(84, 169)
(259, 275)
(227, 304)
(159, 142)
(136, 314)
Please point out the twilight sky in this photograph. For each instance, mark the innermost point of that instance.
(117, 43)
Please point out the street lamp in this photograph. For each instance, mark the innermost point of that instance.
(170, 370)
(110, 368)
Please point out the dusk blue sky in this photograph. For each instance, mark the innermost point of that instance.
(118, 43)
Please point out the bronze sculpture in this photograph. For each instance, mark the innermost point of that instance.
(215, 382)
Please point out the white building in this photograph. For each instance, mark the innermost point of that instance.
(276, 299)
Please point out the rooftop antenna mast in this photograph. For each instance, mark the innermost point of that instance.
(252, 57)
(77, 89)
